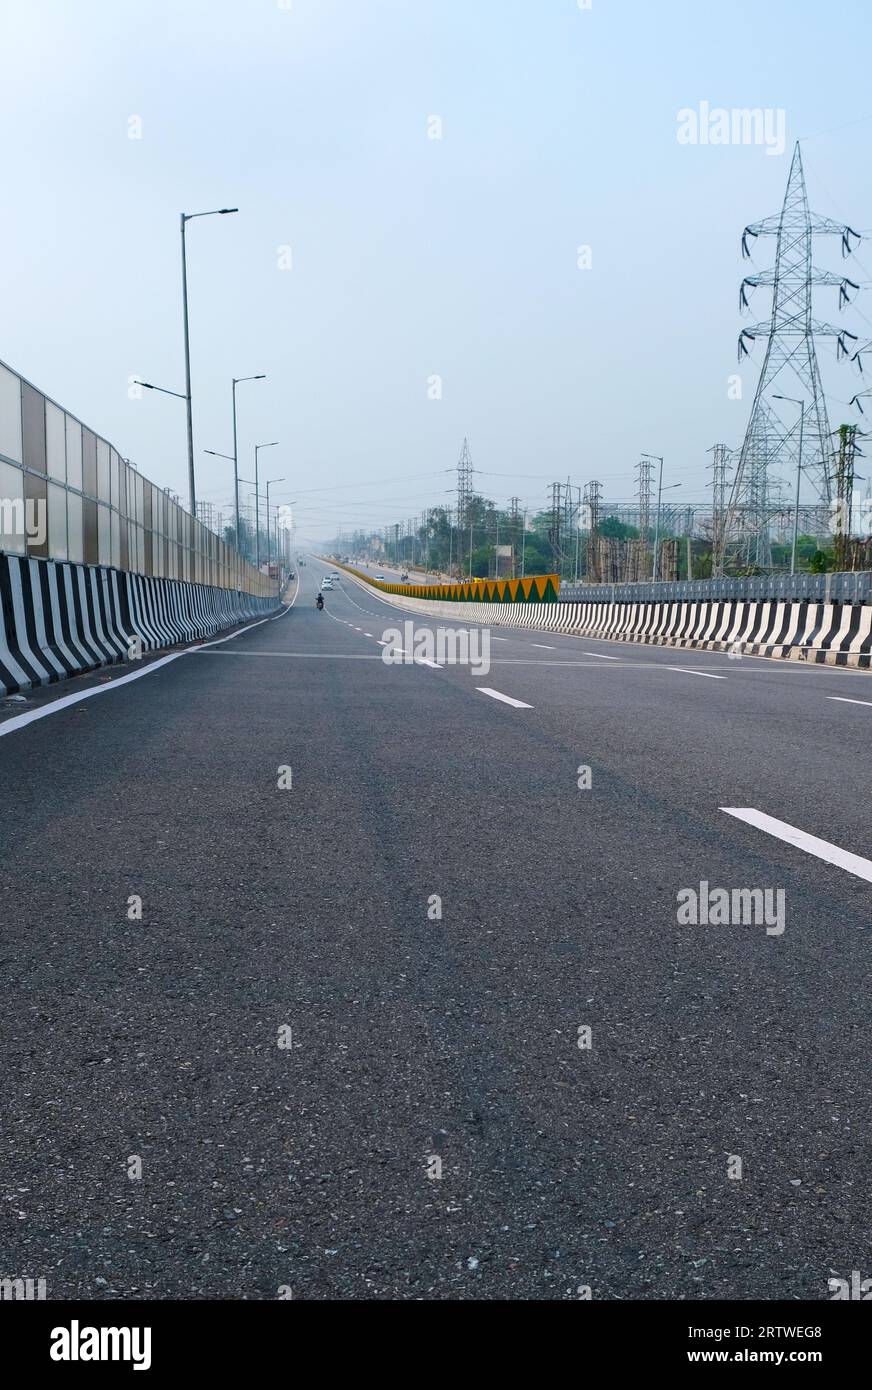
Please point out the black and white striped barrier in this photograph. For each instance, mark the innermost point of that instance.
(837, 634)
(59, 619)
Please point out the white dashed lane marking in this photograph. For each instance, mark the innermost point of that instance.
(506, 699)
(821, 849)
(685, 671)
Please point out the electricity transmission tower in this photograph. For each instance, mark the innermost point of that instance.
(591, 514)
(845, 477)
(554, 527)
(515, 523)
(645, 469)
(592, 503)
(720, 466)
(790, 366)
(464, 503)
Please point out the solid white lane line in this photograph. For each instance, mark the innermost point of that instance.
(506, 699)
(9, 726)
(822, 849)
(601, 656)
(292, 602)
(283, 656)
(686, 671)
(843, 700)
(19, 721)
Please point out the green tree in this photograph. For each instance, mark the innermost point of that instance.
(619, 530)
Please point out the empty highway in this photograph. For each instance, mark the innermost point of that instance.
(291, 1072)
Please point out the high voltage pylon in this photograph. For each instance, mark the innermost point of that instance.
(464, 502)
(516, 523)
(591, 504)
(844, 499)
(720, 466)
(645, 469)
(790, 366)
(554, 526)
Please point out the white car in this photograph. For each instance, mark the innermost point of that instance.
(334, 574)
(328, 584)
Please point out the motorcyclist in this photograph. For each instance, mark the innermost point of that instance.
(319, 601)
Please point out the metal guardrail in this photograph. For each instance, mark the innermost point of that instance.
(850, 587)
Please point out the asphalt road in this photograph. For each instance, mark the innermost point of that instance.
(394, 576)
(313, 1167)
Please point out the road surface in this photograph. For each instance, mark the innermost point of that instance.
(159, 1142)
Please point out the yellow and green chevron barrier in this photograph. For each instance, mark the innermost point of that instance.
(539, 588)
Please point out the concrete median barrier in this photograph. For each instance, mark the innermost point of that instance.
(59, 619)
(838, 634)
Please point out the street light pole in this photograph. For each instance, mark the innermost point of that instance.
(269, 482)
(236, 380)
(801, 404)
(655, 568)
(215, 455)
(186, 217)
(257, 449)
(188, 403)
(655, 557)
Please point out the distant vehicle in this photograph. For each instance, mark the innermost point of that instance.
(328, 584)
(334, 574)
(404, 579)
(380, 576)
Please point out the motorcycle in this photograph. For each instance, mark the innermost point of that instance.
(319, 603)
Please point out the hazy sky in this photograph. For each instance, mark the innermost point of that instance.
(413, 257)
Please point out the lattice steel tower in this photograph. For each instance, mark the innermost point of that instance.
(720, 466)
(645, 469)
(790, 366)
(843, 502)
(554, 527)
(464, 502)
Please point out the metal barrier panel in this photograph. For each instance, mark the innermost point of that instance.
(851, 587)
(68, 495)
